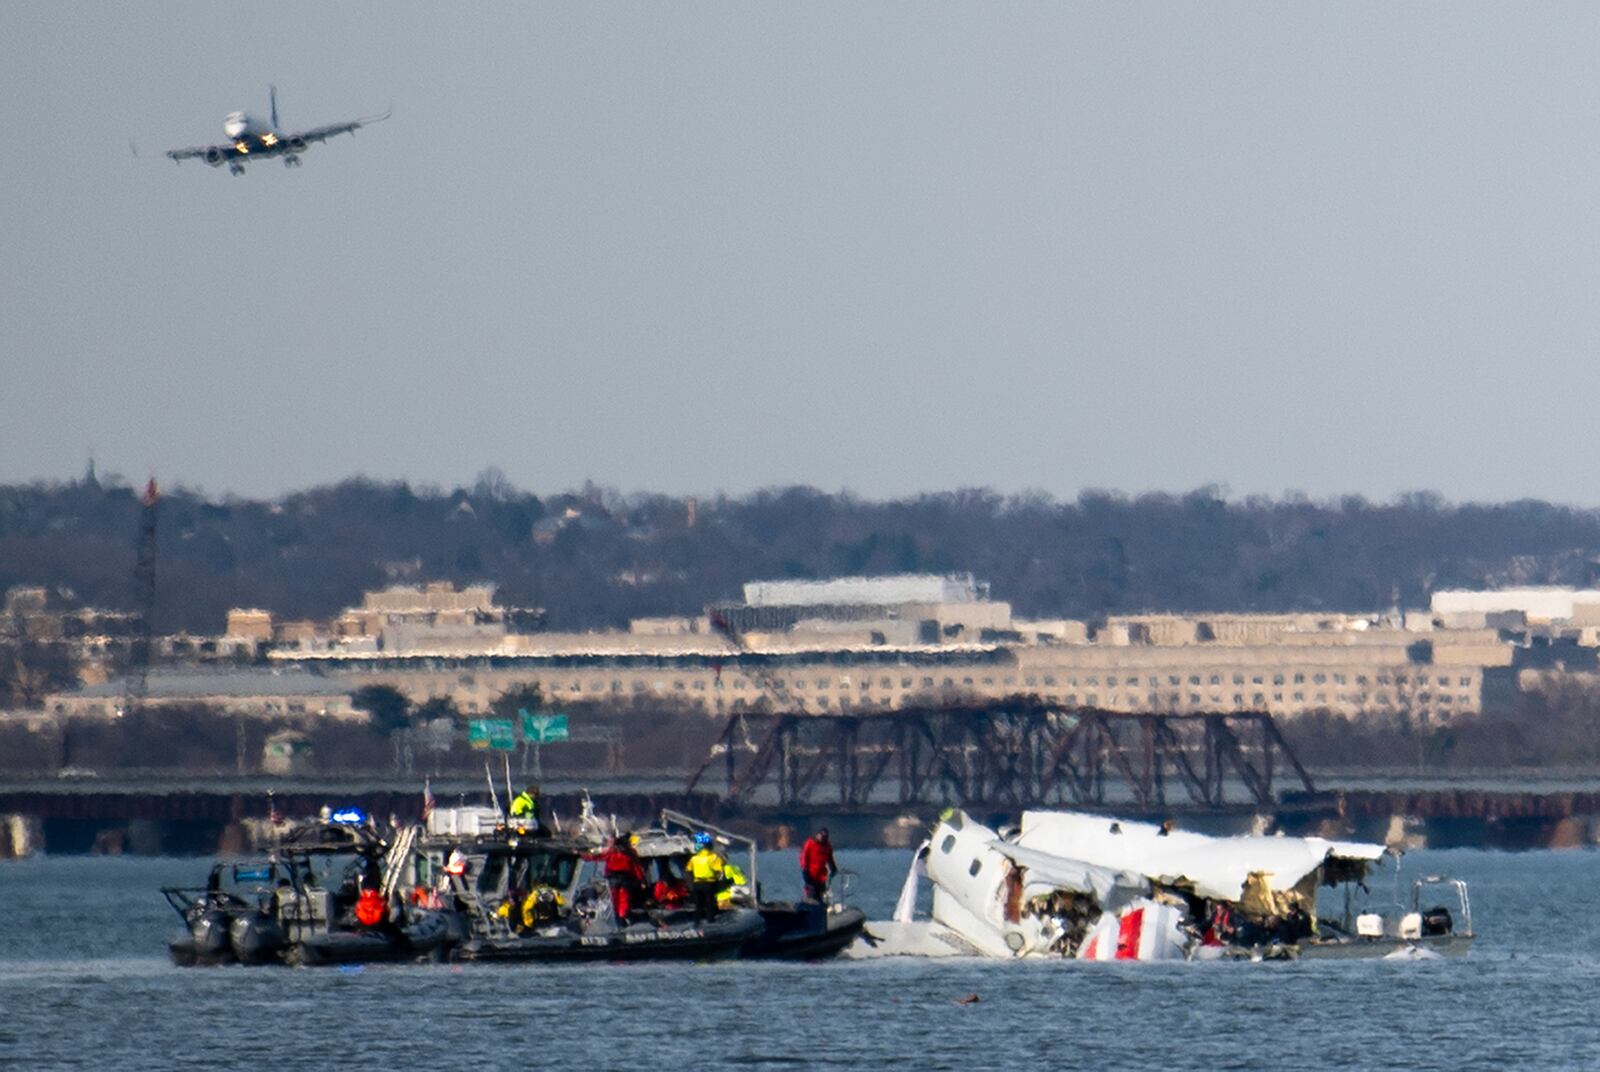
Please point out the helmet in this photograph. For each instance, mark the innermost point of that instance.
(702, 840)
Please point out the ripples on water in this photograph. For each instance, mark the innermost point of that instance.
(84, 983)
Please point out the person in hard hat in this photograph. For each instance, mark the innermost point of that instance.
(707, 876)
(817, 865)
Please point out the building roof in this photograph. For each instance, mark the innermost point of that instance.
(1537, 602)
(252, 681)
(870, 591)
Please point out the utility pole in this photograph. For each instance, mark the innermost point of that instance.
(137, 682)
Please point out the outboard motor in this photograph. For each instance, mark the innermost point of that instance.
(210, 932)
(256, 938)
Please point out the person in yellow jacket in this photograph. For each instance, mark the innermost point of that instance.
(543, 905)
(707, 877)
(735, 877)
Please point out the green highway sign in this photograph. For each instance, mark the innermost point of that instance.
(543, 729)
(496, 733)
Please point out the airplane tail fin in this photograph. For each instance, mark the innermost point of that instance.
(272, 93)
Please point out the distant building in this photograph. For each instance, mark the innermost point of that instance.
(36, 612)
(862, 644)
(402, 618)
(1459, 609)
(249, 624)
(903, 609)
(278, 692)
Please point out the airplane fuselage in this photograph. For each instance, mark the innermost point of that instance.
(240, 124)
(252, 137)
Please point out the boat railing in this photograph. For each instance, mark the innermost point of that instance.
(1462, 897)
(183, 898)
(670, 817)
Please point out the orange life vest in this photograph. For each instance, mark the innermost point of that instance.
(369, 908)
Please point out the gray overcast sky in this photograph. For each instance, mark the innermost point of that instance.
(885, 247)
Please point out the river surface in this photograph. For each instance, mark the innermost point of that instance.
(85, 983)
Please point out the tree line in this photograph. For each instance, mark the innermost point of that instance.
(594, 558)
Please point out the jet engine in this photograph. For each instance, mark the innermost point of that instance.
(214, 156)
(296, 143)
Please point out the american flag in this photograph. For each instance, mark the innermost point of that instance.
(274, 816)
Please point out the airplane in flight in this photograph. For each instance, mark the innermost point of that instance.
(250, 139)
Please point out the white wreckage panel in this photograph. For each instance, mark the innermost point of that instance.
(1216, 868)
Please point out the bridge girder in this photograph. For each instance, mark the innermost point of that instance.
(1000, 756)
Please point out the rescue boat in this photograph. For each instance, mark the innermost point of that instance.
(326, 893)
(530, 893)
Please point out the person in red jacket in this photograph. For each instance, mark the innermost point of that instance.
(816, 864)
(625, 874)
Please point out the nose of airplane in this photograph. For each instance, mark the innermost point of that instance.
(235, 124)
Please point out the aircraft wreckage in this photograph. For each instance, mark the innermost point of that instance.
(1091, 887)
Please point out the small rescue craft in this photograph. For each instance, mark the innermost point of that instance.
(324, 894)
(537, 897)
(1066, 884)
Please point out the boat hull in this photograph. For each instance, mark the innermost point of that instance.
(804, 932)
(428, 936)
(1440, 945)
(716, 939)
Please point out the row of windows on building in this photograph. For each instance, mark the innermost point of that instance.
(1400, 682)
(1391, 690)
(1259, 699)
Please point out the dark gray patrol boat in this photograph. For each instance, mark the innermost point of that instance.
(327, 893)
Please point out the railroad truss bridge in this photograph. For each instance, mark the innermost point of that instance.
(1004, 756)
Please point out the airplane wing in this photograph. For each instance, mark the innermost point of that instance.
(332, 129)
(227, 150)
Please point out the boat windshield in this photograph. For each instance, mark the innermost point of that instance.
(335, 871)
(243, 878)
(503, 872)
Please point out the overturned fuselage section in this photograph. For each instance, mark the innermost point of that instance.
(1068, 884)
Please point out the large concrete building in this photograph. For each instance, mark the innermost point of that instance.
(402, 618)
(874, 643)
(863, 644)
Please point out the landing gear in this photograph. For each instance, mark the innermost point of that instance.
(292, 160)
(236, 169)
